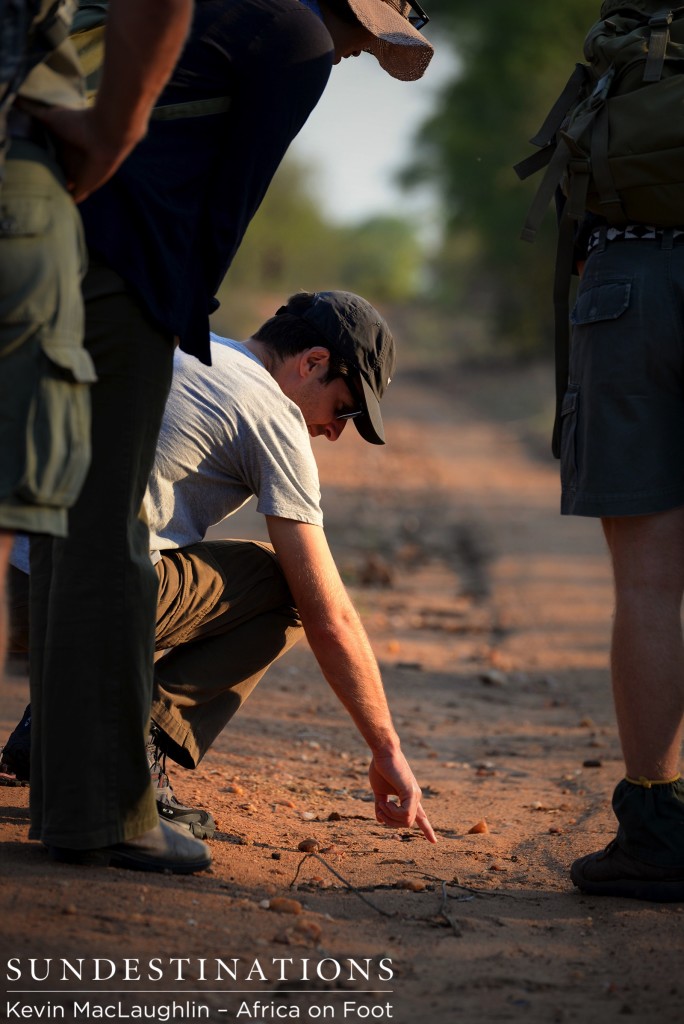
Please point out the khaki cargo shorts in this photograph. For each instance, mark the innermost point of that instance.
(44, 371)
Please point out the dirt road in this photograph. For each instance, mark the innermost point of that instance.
(490, 617)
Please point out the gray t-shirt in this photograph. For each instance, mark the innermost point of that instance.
(229, 433)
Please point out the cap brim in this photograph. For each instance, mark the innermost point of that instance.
(370, 425)
(405, 63)
(399, 48)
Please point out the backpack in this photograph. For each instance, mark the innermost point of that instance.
(613, 142)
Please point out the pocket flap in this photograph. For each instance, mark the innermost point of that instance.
(25, 216)
(74, 359)
(605, 301)
(569, 404)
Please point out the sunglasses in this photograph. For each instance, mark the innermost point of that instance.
(356, 397)
(416, 16)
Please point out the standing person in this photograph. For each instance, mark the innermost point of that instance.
(607, 145)
(228, 609)
(623, 461)
(59, 152)
(161, 236)
(41, 257)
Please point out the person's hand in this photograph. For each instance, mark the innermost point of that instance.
(390, 776)
(88, 156)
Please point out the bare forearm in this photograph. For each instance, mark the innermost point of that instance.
(344, 654)
(343, 651)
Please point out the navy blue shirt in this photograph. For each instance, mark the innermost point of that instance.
(172, 218)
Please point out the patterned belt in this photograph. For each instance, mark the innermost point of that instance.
(629, 232)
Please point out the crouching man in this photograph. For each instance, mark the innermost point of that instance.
(228, 609)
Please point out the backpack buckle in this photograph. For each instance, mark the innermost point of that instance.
(661, 20)
(657, 45)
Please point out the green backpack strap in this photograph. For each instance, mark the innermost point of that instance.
(657, 45)
(610, 202)
(554, 153)
(565, 260)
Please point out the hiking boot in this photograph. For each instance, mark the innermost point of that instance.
(200, 823)
(165, 847)
(15, 757)
(612, 872)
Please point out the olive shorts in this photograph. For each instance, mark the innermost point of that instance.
(622, 433)
(44, 371)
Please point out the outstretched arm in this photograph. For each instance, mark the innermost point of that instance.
(142, 43)
(342, 649)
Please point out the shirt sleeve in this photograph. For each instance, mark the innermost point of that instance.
(279, 465)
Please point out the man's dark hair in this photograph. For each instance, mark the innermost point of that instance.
(287, 333)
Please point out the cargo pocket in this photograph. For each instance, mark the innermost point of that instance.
(58, 428)
(25, 300)
(608, 337)
(568, 439)
(605, 301)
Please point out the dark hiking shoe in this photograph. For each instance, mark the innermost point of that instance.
(200, 823)
(165, 847)
(612, 872)
(15, 758)
(15, 761)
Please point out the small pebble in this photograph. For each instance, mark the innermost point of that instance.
(479, 827)
(412, 884)
(309, 846)
(282, 905)
(309, 929)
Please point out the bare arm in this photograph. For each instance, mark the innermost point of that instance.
(143, 41)
(342, 649)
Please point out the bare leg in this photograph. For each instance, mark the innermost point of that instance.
(646, 859)
(647, 651)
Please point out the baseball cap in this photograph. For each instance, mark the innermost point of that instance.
(398, 47)
(352, 328)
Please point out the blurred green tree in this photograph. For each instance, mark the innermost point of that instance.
(290, 246)
(514, 61)
(381, 257)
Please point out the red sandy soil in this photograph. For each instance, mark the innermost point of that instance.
(490, 617)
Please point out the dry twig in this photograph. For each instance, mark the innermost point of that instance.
(352, 888)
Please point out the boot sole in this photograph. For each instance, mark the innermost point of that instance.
(123, 859)
(635, 889)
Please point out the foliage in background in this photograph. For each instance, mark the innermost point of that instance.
(290, 246)
(515, 59)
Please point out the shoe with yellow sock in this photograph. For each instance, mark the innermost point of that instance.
(645, 861)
